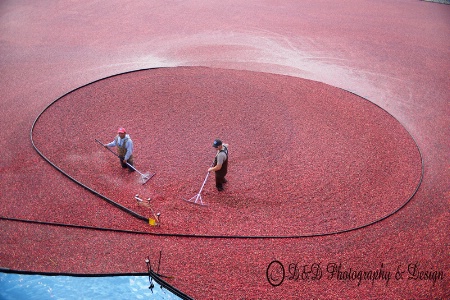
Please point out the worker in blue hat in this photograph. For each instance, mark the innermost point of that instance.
(220, 166)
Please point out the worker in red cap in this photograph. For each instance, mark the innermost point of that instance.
(124, 146)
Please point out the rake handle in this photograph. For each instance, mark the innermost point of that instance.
(206, 178)
(107, 148)
(204, 181)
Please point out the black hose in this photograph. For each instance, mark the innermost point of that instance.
(140, 217)
(156, 276)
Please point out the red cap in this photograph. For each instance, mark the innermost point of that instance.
(121, 130)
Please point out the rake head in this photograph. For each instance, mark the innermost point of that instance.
(146, 177)
(197, 199)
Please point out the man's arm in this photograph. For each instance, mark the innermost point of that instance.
(215, 168)
(109, 145)
(220, 159)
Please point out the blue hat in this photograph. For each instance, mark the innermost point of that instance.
(217, 143)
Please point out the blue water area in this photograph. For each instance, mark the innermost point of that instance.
(39, 287)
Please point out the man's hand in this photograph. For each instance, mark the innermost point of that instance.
(215, 168)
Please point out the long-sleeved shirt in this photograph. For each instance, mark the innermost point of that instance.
(128, 147)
